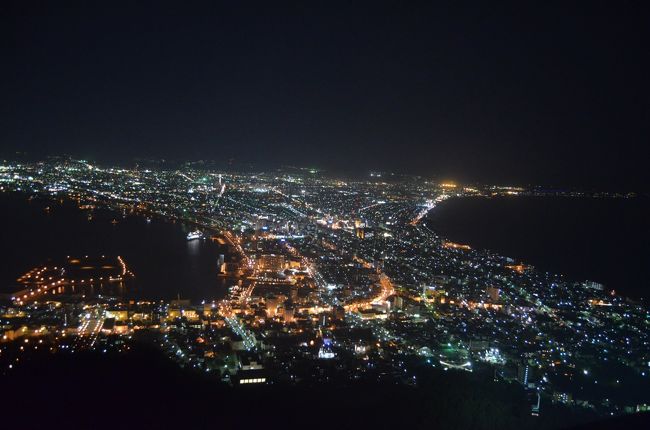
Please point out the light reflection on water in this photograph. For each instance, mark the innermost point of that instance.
(165, 264)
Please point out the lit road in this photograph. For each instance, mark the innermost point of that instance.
(89, 329)
(238, 328)
(246, 294)
(236, 243)
(428, 207)
(387, 289)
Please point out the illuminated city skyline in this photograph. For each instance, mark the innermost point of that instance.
(394, 215)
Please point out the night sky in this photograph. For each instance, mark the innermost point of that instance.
(530, 93)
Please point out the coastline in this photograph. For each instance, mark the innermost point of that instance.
(566, 219)
(130, 237)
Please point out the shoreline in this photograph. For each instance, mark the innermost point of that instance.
(102, 211)
(494, 232)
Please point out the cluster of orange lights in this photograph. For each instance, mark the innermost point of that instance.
(519, 268)
(37, 283)
(594, 302)
(453, 245)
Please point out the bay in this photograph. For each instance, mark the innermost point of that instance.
(165, 264)
(606, 240)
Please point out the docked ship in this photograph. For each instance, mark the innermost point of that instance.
(196, 234)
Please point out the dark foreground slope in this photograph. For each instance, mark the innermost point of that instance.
(145, 390)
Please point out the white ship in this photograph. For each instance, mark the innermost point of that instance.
(194, 235)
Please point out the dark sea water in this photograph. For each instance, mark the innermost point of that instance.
(165, 264)
(604, 240)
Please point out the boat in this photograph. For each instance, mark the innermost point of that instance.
(196, 234)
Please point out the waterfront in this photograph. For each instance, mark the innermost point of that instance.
(338, 277)
(166, 265)
(605, 240)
